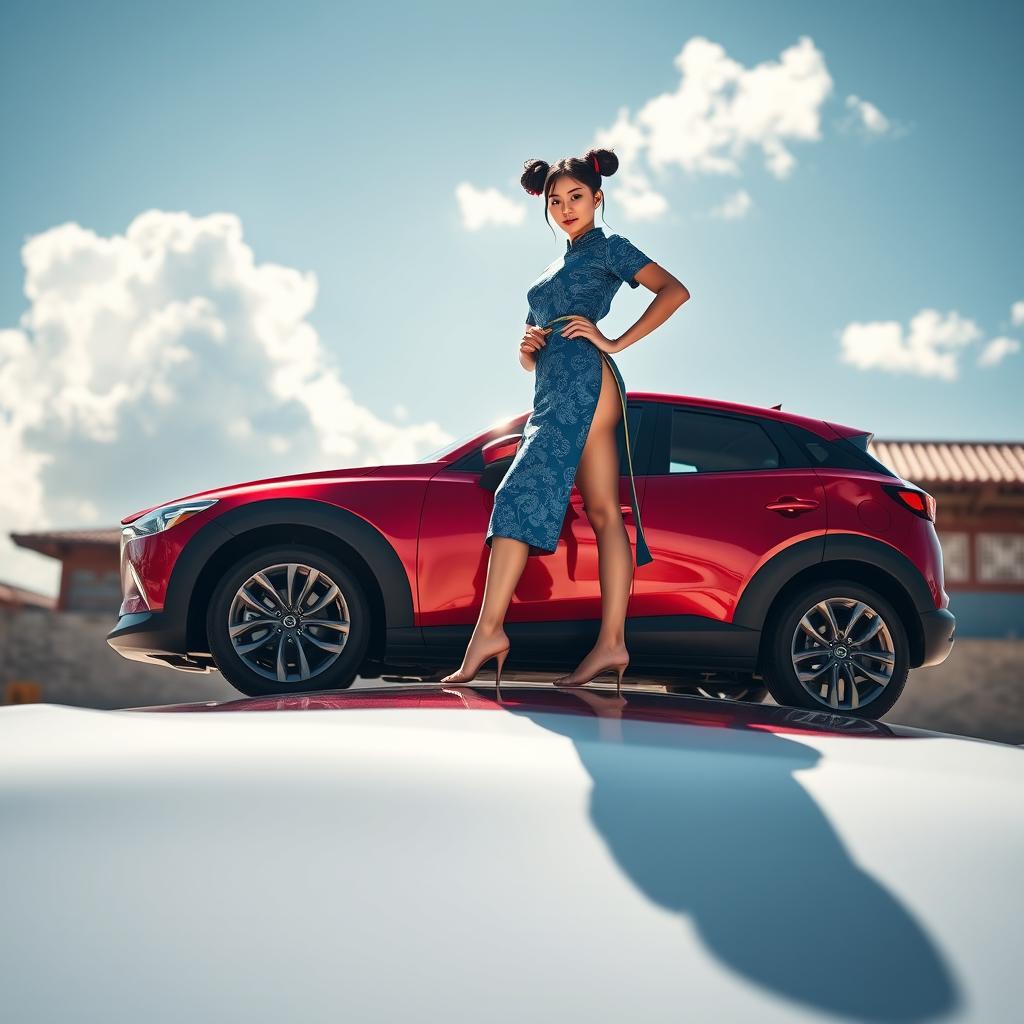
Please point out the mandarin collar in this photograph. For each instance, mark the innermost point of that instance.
(587, 238)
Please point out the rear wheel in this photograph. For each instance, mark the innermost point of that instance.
(288, 619)
(837, 646)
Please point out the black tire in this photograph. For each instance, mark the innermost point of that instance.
(885, 654)
(330, 654)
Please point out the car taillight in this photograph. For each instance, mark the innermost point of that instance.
(921, 503)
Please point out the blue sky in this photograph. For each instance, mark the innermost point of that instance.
(369, 157)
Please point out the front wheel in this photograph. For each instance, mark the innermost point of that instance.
(837, 646)
(288, 619)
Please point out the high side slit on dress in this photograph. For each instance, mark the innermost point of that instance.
(532, 498)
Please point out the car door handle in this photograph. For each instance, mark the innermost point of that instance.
(789, 503)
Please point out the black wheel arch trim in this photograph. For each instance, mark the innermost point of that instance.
(372, 546)
(768, 581)
(854, 547)
(351, 529)
(765, 585)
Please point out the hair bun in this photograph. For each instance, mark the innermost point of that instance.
(533, 176)
(606, 160)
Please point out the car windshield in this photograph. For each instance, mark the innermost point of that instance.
(496, 429)
(447, 449)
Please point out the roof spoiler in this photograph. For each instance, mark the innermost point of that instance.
(861, 438)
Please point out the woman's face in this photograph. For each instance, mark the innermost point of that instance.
(572, 205)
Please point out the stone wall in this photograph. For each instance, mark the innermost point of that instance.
(65, 656)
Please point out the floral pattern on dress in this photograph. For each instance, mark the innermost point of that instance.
(531, 500)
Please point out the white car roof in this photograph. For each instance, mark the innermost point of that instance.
(430, 854)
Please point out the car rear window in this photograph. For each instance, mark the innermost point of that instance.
(839, 453)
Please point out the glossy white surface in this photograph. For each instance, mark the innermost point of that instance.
(488, 865)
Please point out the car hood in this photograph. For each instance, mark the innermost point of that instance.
(327, 475)
(400, 860)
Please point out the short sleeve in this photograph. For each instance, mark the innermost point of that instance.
(625, 259)
(529, 318)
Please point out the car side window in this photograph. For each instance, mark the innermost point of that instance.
(473, 461)
(711, 443)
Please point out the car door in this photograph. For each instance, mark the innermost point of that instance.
(581, 542)
(724, 494)
(452, 557)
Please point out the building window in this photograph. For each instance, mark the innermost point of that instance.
(1000, 557)
(955, 551)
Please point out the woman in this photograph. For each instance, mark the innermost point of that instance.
(579, 404)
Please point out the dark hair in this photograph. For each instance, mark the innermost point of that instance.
(539, 176)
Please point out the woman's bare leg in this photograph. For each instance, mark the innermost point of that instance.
(504, 567)
(597, 478)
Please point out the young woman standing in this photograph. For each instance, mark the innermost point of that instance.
(579, 404)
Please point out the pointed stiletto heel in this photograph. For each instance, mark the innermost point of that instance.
(616, 667)
(500, 654)
(497, 673)
(618, 682)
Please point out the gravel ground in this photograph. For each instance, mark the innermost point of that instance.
(977, 691)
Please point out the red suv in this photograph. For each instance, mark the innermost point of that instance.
(786, 559)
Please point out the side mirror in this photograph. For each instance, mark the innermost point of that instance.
(498, 455)
(503, 447)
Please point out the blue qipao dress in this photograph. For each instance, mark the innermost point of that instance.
(532, 498)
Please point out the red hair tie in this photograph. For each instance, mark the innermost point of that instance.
(596, 168)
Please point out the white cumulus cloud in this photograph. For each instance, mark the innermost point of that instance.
(868, 115)
(162, 361)
(480, 207)
(720, 109)
(1017, 313)
(719, 112)
(997, 350)
(634, 191)
(930, 347)
(735, 206)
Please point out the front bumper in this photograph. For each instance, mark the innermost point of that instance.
(154, 639)
(938, 627)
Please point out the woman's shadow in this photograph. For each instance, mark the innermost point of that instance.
(711, 822)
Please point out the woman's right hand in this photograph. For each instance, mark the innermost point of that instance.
(534, 338)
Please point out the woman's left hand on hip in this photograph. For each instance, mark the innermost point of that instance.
(581, 327)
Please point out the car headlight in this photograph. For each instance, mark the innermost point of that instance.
(165, 517)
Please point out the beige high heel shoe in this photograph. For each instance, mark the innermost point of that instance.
(500, 654)
(617, 667)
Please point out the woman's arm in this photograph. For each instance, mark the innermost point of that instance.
(670, 294)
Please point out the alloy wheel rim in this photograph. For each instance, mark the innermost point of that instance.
(288, 622)
(842, 644)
